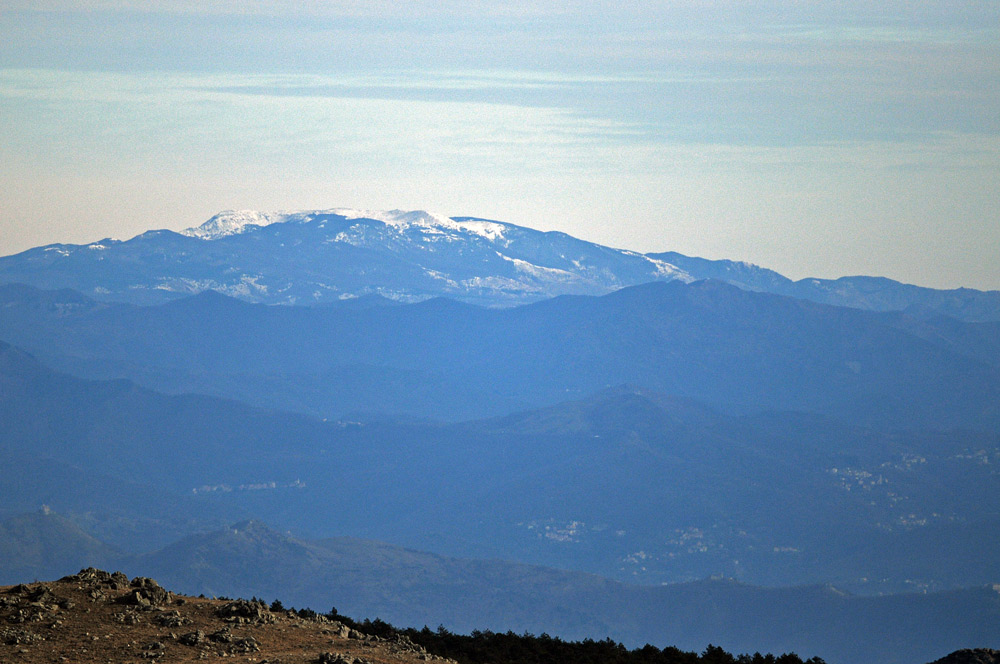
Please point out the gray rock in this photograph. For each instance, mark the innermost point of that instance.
(145, 592)
(245, 645)
(14, 636)
(335, 658)
(221, 636)
(242, 611)
(170, 619)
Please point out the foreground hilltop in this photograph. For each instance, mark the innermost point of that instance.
(95, 616)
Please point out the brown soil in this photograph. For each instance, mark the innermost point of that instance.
(94, 616)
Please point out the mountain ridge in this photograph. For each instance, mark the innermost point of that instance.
(411, 588)
(632, 469)
(319, 256)
(707, 340)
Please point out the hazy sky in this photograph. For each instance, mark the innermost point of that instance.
(819, 138)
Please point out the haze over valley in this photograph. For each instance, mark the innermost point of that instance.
(495, 332)
(490, 393)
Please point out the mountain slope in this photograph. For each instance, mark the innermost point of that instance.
(412, 588)
(322, 256)
(44, 544)
(95, 617)
(861, 292)
(440, 358)
(628, 483)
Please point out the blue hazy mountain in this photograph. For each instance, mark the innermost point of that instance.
(626, 483)
(326, 255)
(706, 340)
(860, 292)
(661, 419)
(364, 578)
(44, 545)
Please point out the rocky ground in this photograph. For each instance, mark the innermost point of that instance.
(95, 616)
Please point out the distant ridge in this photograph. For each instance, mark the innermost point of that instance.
(321, 256)
(367, 579)
(632, 466)
(44, 544)
(706, 340)
(95, 616)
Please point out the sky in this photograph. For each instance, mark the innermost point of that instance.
(819, 139)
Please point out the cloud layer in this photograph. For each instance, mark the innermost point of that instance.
(817, 138)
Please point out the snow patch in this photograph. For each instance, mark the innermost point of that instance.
(233, 222)
(668, 271)
(430, 222)
(435, 274)
(539, 271)
(499, 285)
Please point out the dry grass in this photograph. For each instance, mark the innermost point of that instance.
(94, 616)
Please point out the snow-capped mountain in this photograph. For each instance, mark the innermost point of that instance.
(318, 256)
(311, 257)
(232, 222)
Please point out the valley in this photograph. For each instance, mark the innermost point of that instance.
(677, 462)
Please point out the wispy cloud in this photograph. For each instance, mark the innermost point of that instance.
(686, 124)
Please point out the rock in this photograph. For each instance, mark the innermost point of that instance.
(99, 578)
(192, 638)
(245, 645)
(127, 618)
(145, 592)
(42, 595)
(118, 581)
(170, 619)
(153, 650)
(401, 643)
(221, 636)
(242, 611)
(14, 636)
(332, 658)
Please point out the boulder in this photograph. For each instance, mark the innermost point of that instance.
(145, 592)
(242, 611)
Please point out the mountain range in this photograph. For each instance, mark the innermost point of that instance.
(627, 483)
(324, 256)
(649, 424)
(444, 359)
(411, 588)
